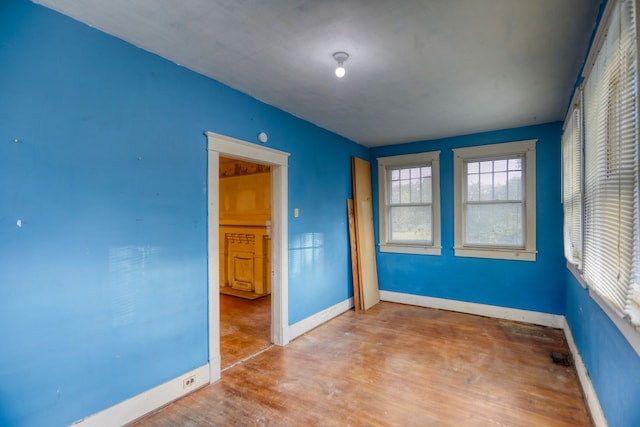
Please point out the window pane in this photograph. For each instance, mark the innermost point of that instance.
(515, 164)
(415, 172)
(486, 186)
(486, 166)
(426, 171)
(395, 174)
(500, 165)
(405, 189)
(473, 187)
(500, 185)
(515, 186)
(416, 194)
(395, 191)
(411, 223)
(494, 224)
(473, 167)
(404, 173)
(426, 189)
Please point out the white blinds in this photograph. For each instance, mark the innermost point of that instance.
(611, 166)
(572, 187)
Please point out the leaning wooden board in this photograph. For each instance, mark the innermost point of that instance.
(363, 209)
(354, 255)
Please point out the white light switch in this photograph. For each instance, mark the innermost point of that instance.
(295, 212)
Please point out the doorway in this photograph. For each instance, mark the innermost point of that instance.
(220, 145)
(245, 259)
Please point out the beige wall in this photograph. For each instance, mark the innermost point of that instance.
(245, 212)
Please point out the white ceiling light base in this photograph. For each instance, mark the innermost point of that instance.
(340, 58)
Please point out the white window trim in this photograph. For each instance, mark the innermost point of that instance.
(528, 150)
(432, 158)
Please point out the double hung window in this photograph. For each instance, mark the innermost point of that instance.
(494, 188)
(409, 196)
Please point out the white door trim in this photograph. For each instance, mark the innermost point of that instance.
(218, 145)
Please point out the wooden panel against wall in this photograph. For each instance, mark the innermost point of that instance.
(363, 207)
(354, 256)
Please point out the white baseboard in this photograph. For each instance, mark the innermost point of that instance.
(215, 368)
(534, 317)
(305, 325)
(146, 402)
(587, 387)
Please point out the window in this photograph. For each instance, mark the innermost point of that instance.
(572, 185)
(607, 214)
(495, 201)
(409, 197)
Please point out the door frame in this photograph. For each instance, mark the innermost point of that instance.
(218, 145)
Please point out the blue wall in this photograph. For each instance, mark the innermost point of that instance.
(537, 286)
(104, 287)
(613, 365)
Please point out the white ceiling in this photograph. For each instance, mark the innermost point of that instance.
(418, 69)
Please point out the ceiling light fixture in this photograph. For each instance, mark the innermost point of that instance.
(340, 58)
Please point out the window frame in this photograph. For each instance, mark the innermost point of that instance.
(385, 244)
(525, 149)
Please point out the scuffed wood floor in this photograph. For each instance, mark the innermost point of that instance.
(395, 365)
(245, 328)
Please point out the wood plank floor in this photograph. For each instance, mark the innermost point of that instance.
(245, 327)
(395, 365)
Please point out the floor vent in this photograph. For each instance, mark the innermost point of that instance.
(559, 358)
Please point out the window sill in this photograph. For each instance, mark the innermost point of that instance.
(577, 274)
(410, 249)
(494, 253)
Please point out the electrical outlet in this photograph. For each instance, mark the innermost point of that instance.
(189, 381)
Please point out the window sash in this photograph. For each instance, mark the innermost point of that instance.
(502, 244)
(512, 167)
(428, 227)
(414, 196)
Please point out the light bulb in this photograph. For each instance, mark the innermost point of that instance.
(340, 57)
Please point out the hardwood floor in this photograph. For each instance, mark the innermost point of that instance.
(395, 365)
(245, 327)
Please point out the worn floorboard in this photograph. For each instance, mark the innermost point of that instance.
(395, 365)
(245, 327)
